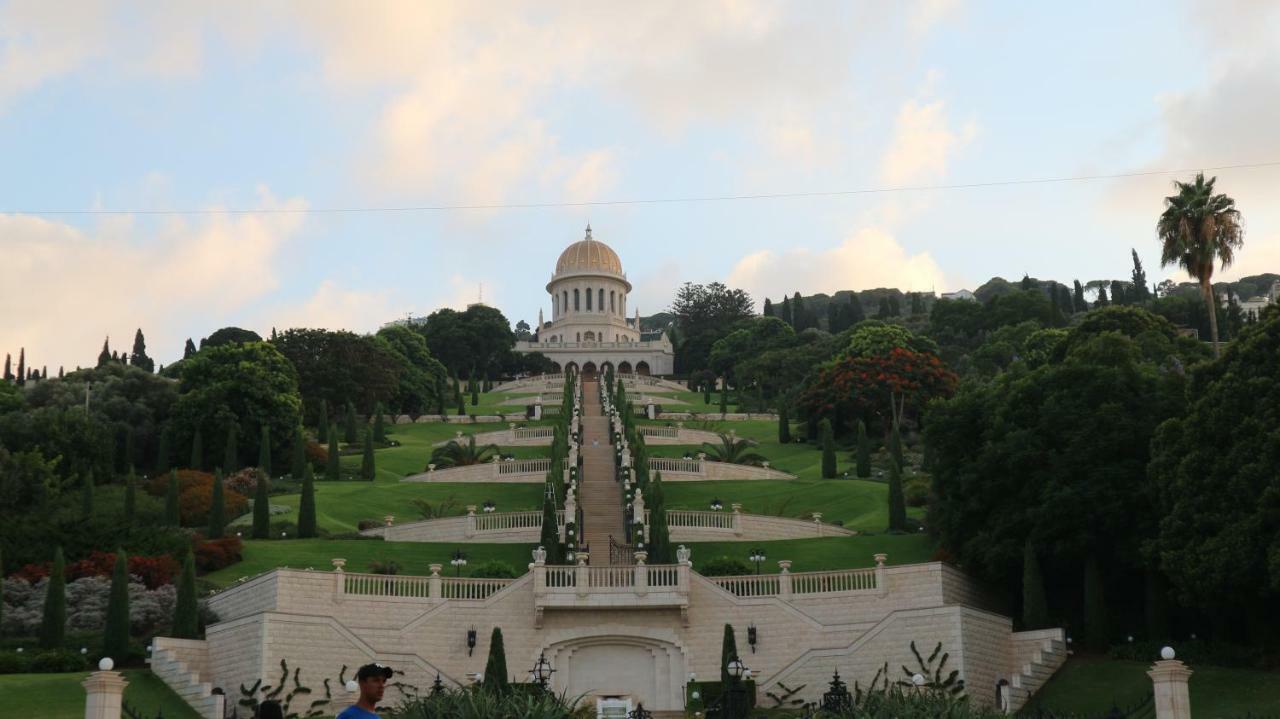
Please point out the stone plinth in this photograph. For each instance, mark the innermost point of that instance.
(1172, 695)
(105, 695)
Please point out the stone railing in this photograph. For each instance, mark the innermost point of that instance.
(502, 521)
(785, 584)
(524, 466)
(639, 586)
(698, 518)
(671, 464)
(431, 587)
(751, 585)
(534, 432)
(523, 470)
(667, 432)
(686, 470)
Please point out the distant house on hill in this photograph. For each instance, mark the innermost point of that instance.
(965, 295)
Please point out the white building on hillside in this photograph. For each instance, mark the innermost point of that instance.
(965, 295)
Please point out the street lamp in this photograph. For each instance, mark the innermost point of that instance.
(459, 561)
(716, 505)
(736, 705)
(542, 671)
(757, 556)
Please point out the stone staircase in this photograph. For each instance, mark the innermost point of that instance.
(1045, 652)
(599, 495)
(186, 683)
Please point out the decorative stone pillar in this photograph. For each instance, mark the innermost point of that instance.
(389, 519)
(1169, 683)
(737, 518)
(434, 582)
(570, 512)
(817, 522)
(511, 432)
(784, 578)
(471, 522)
(105, 692)
(882, 574)
(642, 573)
(582, 575)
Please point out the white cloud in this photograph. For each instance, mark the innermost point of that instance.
(116, 278)
(871, 257)
(923, 143)
(334, 307)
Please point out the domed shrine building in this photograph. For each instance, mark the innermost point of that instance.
(589, 329)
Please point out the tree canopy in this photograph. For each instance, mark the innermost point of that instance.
(479, 338)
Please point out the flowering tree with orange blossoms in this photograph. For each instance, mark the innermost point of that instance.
(869, 387)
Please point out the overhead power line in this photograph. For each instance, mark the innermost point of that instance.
(644, 201)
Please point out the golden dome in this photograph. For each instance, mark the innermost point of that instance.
(588, 255)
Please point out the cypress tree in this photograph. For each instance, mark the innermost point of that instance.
(724, 395)
(322, 424)
(784, 425)
(186, 614)
(785, 316)
(706, 393)
(856, 313)
(1077, 297)
(457, 388)
(1035, 608)
(884, 312)
(895, 447)
(768, 308)
(22, 364)
(86, 497)
(197, 450)
(657, 533)
(217, 508)
(864, 451)
(495, 669)
(550, 537)
(349, 425)
(139, 356)
(332, 468)
(728, 652)
(366, 462)
(60, 374)
(262, 508)
(462, 406)
(163, 451)
(1095, 607)
(828, 449)
(53, 625)
(264, 450)
(307, 505)
(440, 389)
(475, 395)
(104, 357)
(894, 307)
(231, 456)
(130, 497)
(299, 454)
(379, 429)
(897, 502)
(799, 313)
(115, 636)
(8, 367)
(172, 516)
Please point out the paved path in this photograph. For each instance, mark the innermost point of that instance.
(599, 496)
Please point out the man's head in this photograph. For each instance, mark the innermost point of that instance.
(372, 679)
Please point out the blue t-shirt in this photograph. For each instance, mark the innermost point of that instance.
(355, 712)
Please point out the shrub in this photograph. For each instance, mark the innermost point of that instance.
(214, 554)
(317, 455)
(195, 501)
(378, 566)
(368, 524)
(153, 571)
(14, 663)
(494, 569)
(724, 567)
(57, 661)
(916, 492)
(243, 482)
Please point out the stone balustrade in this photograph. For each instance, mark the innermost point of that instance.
(520, 470)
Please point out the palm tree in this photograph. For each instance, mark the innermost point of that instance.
(733, 451)
(1196, 228)
(456, 454)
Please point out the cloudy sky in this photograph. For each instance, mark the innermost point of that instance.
(256, 121)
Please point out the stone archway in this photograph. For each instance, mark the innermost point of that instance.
(605, 367)
(570, 367)
(589, 369)
(624, 367)
(642, 368)
(558, 369)
(646, 670)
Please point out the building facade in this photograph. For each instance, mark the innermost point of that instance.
(589, 329)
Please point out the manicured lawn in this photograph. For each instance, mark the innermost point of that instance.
(857, 504)
(341, 505)
(818, 554)
(694, 400)
(1093, 684)
(413, 557)
(60, 696)
(415, 448)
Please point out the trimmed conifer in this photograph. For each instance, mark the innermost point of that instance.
(186, 613)
(262, 509)
(172, 517)
(349, 434)
(784, 425)
(8, 367)
(1035, 608)
(332, 469)
(86, 495)
(495, 668)
(706, 393)
(462, 406)
(197, 450)
(724, 395)
(130, 497)
(895, 447)
(864, 451)
(440, 390)
(307, 505)
(897, 501)
(366, 462)
(828, 449)
(264, 450)
(657, 533)
(22, 364)
(188, 349)
(217, 508)
(53, 623)
(322, 425)
(379, 429)
(163, 451)
(475, 395)
(231, 450)
(728, 652)
(1097, 634)
(139, 358)
(550, 537)
(299, 454)
(115, 635)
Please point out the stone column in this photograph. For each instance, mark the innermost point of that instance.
(434, 582)
(511, 432)
(737, 518)
(105, 692)
(642, 573)
(339, 577)
(582, 575)
(817, 522)
(471, 521)
(882, 574)
(1169, 683)
(784, 578)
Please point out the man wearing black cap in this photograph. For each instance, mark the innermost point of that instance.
(372, 680)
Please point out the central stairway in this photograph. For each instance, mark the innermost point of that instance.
(599, 495)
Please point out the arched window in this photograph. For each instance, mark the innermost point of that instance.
(591, 336)
(564, 306)
(588, 299)
(600, 304)
(576, 305)
(611, 305)
(579, 334)
(555, 305)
